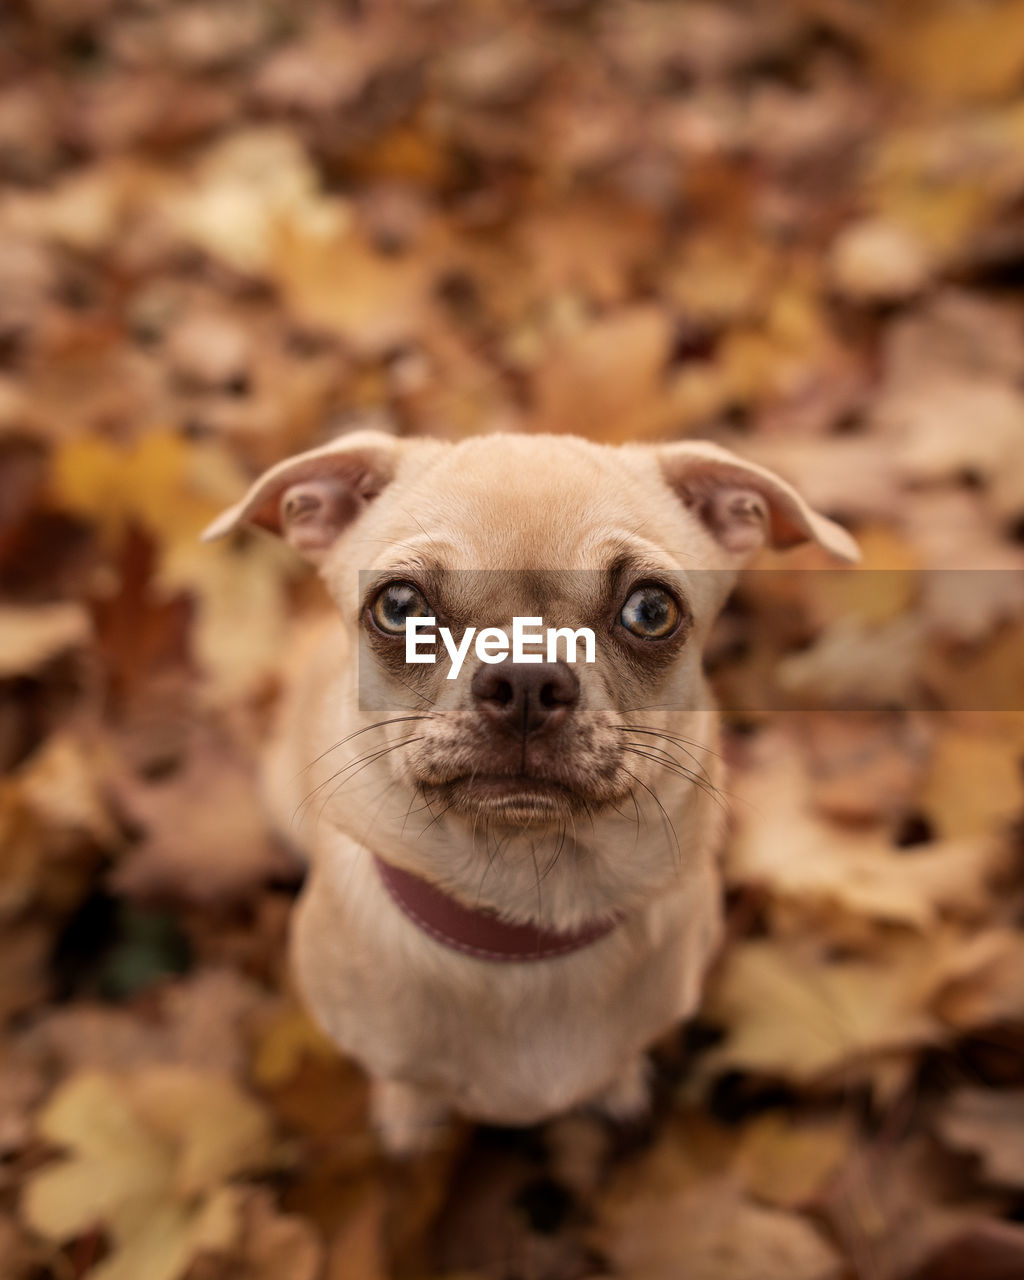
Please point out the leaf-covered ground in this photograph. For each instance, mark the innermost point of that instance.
(228, 230)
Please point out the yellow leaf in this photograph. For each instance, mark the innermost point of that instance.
(959, 52)
(783, 844)
(217, 1130)
(116, 1162)
(785, 1163)
(974, 782)
(800, 1017)
(150, 482)
(290, 1037)
(148, 1158)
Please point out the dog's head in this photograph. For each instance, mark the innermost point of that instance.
(637, 544)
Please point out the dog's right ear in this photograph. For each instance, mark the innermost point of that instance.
(310, 498)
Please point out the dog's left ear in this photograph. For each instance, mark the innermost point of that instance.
(746, 506)
(310, 498)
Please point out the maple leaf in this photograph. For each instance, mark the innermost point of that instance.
(782, 844)
(151, 1159)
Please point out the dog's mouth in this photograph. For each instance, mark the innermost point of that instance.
(514, 797)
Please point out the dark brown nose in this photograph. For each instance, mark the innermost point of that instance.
(525, 697)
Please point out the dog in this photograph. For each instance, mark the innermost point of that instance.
(513, 886)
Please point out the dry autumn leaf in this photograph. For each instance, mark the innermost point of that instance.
(603, 378)
(151, 1156)
(782, 844)
(204, 838)
(199, 1024)
(30, 637)
(990, 1124)
(800, 1017)
(710, 1232)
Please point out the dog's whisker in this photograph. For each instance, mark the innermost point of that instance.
(379, 724)
(664, 813)
(363, 760)
(372, 754)
(436, 818)
(669, 759)
(558, 850)
(536, 876)
(674, 766)
(670, 736)
(345, 781)
(639, 820)
(490, 859)
(430, 702)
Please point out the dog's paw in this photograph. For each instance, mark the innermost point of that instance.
(628, 1098)
(409, 1121)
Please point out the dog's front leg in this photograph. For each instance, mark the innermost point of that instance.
(409, 1119)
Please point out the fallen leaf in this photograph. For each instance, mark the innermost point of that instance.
(272, 1246)
(791, 1014)
(983, 981)
(244, 192)
(199, 1024)
(876, 261)
(150, 1158)
(357, 1252)
(780, 843)
(240, 621)
(952, 53)
(30, 637)
(984, 1250)
(206, 838)
(710, 1232)
(786, 1163)
(288, 1037)
(991, 1125)
(603, 379)
(21, 1087)
(974, 783)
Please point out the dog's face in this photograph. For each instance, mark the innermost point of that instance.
(637, 544)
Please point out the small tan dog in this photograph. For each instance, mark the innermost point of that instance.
(513, 887)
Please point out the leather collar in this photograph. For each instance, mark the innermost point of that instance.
(480, 932)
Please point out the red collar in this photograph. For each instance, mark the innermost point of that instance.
(480, 932)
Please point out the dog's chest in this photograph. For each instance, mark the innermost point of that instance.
(506, 1042)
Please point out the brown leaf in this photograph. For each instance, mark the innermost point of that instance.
(710, 1232)
(603, 379)
(271, 1246)
(984, 1251)
(206, 838)
(199, 1025)
(991, 1124)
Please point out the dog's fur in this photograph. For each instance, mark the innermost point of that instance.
(636, 819)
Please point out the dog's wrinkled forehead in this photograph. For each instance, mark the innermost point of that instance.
(508, 505)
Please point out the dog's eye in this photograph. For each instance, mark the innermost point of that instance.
(397, 602)
(650, 613)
